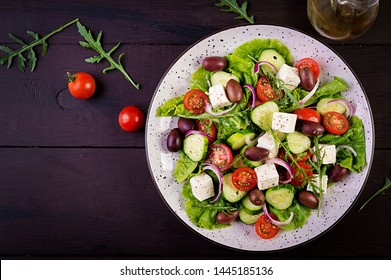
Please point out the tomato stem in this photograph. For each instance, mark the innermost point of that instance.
(71, 77)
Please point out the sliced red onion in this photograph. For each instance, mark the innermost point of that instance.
(310, 94)
(209, 110)
(251, 88)
(275, 222)
(260, 63)
(284, 164)
(216, 171)
(350, 110)
(254, 141)
(347, 148)
(210, 138)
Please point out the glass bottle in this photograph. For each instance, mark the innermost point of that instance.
(342, 19)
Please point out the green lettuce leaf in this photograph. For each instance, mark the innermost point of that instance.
(301, 214)
(184, 167)
(171, 107)
(199, 79)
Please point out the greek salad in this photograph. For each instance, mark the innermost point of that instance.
(261, 138)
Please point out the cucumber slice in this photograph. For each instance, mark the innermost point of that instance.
(247, 218)
(322, 107)
(250, 207)
(195, 147)
(262, 115)
(237, 140)
(280, 197)
(248, 162)
(231, 193)
(298, 142)
(222, 78)
(272, 56)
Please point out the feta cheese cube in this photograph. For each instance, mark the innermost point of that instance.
(267, 176)
(314, 185)
(327, 154)
(289, 76)
(217, 96)
(267, 142)
(202, 186)
(284, 122)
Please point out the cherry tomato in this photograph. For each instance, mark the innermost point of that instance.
(219, 155)
(207, 127)
(302, 173)
(310, 63)
(81, 85)
(303, 157)
(195, 100)
(264, 228)
(335, 123)
(244, 178)
(131, 118)
(307, 114)
(264, 90)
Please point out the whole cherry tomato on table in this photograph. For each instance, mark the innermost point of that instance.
(81, 85)
(131, 118)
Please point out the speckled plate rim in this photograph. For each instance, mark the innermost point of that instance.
(369, 135)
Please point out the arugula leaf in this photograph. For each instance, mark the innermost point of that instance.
(387, 185)
(96, 45)
(28, 48)
(233, 6)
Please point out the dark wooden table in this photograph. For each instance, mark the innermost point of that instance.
(74, 185)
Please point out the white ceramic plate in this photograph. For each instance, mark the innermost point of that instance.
(339, 198)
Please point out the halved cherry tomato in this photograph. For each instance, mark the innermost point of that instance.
(265, 91)
(307, 114)
(303, 157)
(302, 173)
(335, 123)
(244, 178)
(195, 100)
(264, 228)
(207, 127)
(219, 155)
(311, 63)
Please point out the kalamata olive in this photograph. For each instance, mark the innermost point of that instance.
(337, 173)
(214, 63)
(308, 199)
(312, 129)
(234, 91)
(174, 140)
(254, 153)
(185, 125)
(307, 78)
(256, 196)
(224, 218)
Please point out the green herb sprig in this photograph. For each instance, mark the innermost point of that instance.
(233, 6)
(387, 185)
(96, 45)
(29, 48)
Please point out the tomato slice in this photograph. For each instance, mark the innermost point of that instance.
(311, 63)
(195, 100)
(219, 155)
(302, 173)
(303, 157)
(335, 123)
(244, 178)
(307, 114)
(264, 228)
(207, 127)
(265, 91)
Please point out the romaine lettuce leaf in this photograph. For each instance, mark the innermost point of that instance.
(199, 79)
(301, 214)
(183, 168)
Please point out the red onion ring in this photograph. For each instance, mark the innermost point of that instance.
(251, 88)
(350, 110)
(210, 138)
(310, 94)
(254, 141)
(216, 171)
(347, 148)
(209, 110)
(260, 63)
(275, 222)
(284, 164)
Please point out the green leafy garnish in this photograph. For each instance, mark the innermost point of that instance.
(96, 45)
(387, 185)
(233, 6)
(29, 48)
